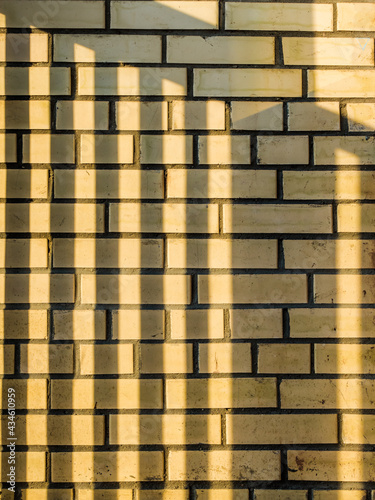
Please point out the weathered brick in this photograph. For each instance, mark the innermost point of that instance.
(15, 183)
(355, 218)
(280, 494)
(233, 150)
(42, 494)
(138, 324)
(335, 83)
(204, 115)
(342, 494)
(79, 325)
(106, 148)
(256, 323)
(313, 116)
(81, 115)
(107, 494)
(34, 81)
(45, 358)
(344, 289)
(283, 358)
(24, 253)
(30, 466)
(255, 115)
(6, 359)
(23, 324)
(344, 150)
(283, 150)
(106, 359)
(166, 358)
(135, 115)
(30, 394)
(163, 494)
(227, 494)
(36, 288)
(23, 47)
(8, 151)
(197, 324)
(358, 429)
(24, 114)
(225, 358)
(344, 358)
(51, 148)
(361, 116)
(175, 149)
(355, 16)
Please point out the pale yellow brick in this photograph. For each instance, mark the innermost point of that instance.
(30, 394)
(131, 81)
(106, 394)
(135, 115)
(344, 150)
(106, 359)
(355, 16)
(174, 149)
(221, 393)
(94, 183)
(358, 429)
(166, 217)
(247, 115)
(283, 358)
(313, 116)
(277, 218)
(361, 116)
(82, 115)
(204, 115)
(110, 253)
(48, 148)
(163, 494)
(97, 494)
(256, 323)
(23, 324)
(279, 16)
(23, 47)
(248, 82)
(36, 80)
(164, 429)
(228, 494)
(44, 358)
(55, 217)
(106, 148)
(163, 15)
(36, 288)
(344, 289)
(15, 183)
(6, 359)
(225, 358)
(8, 151)
(281, 429)
(138, 324)
(219, 253)
(42, 494)
(25, 114)
(328, 394)
(197, 324)
(221, 149)
(341, 494)
(107, 466)
(79, 325)
(283, 150)
(166, 358)
(344, 358)
(23, 253)
(30, 466)
(221, 183)
(107, 48)
(222, 465)
(340, 466)
(220, 50)
(135, 289)
(355, 218)
(335, 83)
(280, 495)
(319, 51)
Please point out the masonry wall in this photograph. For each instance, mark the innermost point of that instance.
(187, 249)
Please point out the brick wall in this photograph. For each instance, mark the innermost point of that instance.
(187, 252)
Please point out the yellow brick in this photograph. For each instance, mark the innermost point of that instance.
(224, 358)
(328, 51)
(329, 254)
(24, 114)
(79, 325)
(281, 429)
(277, 218)
(328, 394)
(39, 494)
(166, 217)
(280, 495)
(358, 429)
(344, 289)
(313, 116)
(132, 81)
(220, 149)
(35, 80)
(355, 218)
(344, 150)
(110, 253)
(215, 494)
(220, 465)
(221, 50)
(36, 288)
(166, 358)
(135, 289)
(23, 253)
(256, 115)
(283, 150)
(204, 115)
(6, 359)
(221, 393)
(138, 324)
(256, 323)
(164, 429)
(253, 289)
(219, 253)
(248, 82)
(331, 466)
(104, 494)
(81, 115)
(30, 394)
(8, 151)
(344, 358)
(88, 466)
(106, 394)
(135, 115)
(341, 494)
(106, 359)
(343, 322)
(197, 324)
(43, 148)
(279, 16)
(93, 183)
(106, 148)
(16, 183)
(107, 48)
(361, 116)
(341, 83)
(161, 494)
(30, 466)
(23, 47)
(175, 149)
(30, 324)
(44, 358)
(355, 16)
(163, 15)
(284, 358)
